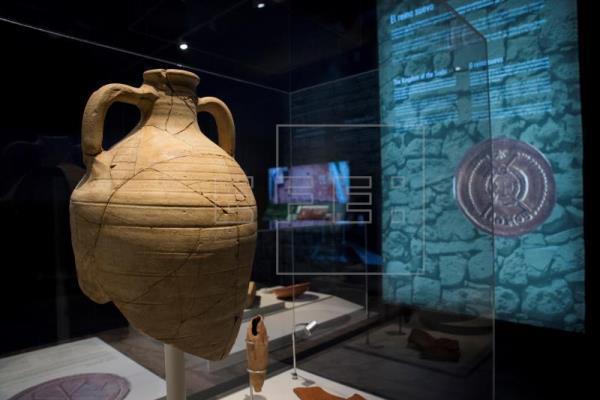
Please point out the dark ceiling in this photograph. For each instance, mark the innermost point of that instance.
(286, 44)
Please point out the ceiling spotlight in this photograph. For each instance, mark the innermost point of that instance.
(261, 4)
(183, 46)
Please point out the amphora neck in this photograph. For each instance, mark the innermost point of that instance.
(175, 108)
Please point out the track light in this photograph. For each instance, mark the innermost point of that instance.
(308, 327)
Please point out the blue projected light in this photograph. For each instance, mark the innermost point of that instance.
(503, 71)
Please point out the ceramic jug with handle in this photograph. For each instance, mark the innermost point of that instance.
(163, 224)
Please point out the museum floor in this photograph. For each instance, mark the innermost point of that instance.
(522, 361)
(357, 354)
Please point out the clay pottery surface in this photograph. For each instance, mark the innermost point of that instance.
(287, 292)
(257, 352)
(420, 339)
(318, 393)
(251, 296)
(435, 349)
(163, 224)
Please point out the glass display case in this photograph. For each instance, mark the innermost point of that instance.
(400, 194)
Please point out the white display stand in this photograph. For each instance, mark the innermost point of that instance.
(270, 304)
(23, 371)
(174, 373)
(281, 387)
(267, 304)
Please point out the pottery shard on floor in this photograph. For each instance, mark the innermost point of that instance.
(318, 393)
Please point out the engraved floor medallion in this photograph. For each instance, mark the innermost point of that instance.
(95, 386)
(505, 187)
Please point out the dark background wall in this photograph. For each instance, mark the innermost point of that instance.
(57, 53)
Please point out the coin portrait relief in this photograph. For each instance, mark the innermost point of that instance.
(505, 187)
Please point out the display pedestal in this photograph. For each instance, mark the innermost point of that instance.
(174, 373)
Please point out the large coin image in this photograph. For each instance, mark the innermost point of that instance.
(93, 386)
(505, 187)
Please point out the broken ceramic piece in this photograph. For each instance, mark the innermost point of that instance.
(257, 352)
(435, 349)
(288, 292)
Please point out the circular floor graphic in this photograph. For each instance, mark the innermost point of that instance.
(94, 386)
